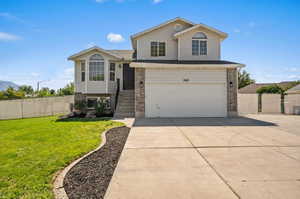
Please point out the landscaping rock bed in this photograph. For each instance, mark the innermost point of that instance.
(91, 176)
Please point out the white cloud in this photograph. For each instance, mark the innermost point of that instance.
(292, 69)
(157, 1)
(115, 38)
(8, 37)
(294, 77)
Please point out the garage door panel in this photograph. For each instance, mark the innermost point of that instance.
(177, 76)
(185, 100)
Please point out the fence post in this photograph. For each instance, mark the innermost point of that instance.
(259, 103)
(22, 114)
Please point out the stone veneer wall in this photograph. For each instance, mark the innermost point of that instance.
(139, 92)
(232, 85)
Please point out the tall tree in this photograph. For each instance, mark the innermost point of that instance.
(28, 90)
(67, 90)
(244, 79)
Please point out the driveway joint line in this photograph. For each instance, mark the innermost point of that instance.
(212, 147)
(209, 164)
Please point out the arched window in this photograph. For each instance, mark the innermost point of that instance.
(199, 44)
(96, 68)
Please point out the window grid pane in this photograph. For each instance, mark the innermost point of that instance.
(96, 72)
(82, 68)
(154, 49)
(195, 47)
(112, 68)
(203, 47)
(162, 49)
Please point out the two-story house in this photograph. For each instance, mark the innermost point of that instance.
(174, 70)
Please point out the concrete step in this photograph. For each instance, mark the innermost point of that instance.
(125, 106)
(124, 115)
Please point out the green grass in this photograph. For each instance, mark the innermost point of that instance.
(32, 150)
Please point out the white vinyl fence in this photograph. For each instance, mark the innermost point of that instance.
(270, 103)
(35, 107)
(248, 103)
(292, 104)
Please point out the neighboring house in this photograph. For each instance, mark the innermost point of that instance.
(174, 70)
(294, 90)
(252, 88)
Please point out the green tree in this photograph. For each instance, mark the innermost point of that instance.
(28, 90)
(11, 93)
(244, 79)
(275, 89)
(67, 90)
(52, 92)
(44, 92)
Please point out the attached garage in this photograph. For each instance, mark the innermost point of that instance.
(185, 93)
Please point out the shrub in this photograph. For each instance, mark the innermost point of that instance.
(81, 106)
(100, 107)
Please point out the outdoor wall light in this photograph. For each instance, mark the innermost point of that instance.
(120, 66)
(141, 83)
(231, 84)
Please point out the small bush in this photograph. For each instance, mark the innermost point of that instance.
(101, 107)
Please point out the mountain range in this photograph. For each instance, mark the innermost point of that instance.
(6, 84)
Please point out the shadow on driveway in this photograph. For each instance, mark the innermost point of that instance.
(214, 121)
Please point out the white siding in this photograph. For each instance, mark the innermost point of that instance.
(213, 46)
(97, 87)
(163, 34)
(79, 85)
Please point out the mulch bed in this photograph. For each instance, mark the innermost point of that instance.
(91, 176)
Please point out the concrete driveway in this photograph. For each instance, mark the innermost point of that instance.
(248, 157)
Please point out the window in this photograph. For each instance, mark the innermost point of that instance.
(82, 69)
(158, 49)
(112, 69)
(199, 44)
(91, 102)
(96, 68)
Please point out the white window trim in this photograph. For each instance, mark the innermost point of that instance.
(158, 48)
(109, 71)
(199, 54)
(81, 71)
(104, 63)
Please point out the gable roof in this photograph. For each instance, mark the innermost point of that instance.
(72, 57)
(295, 89)
(252, 88)
(159, 26)
(125, 54)
(222, 34)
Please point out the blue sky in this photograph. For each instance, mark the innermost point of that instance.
(36, 37)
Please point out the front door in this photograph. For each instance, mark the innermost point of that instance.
(128, 77)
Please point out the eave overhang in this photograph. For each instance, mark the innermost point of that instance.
(190, 66)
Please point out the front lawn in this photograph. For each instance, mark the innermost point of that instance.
(32, 150)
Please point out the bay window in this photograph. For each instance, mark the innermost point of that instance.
(96, 68)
